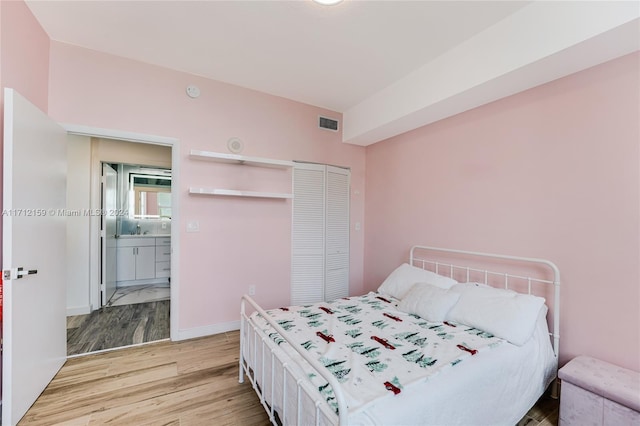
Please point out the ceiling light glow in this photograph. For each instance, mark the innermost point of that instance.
(327, 2)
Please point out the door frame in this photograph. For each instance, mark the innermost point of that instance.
(94, 256)
(104, 243)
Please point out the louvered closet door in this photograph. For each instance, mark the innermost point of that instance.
(320, 233)
(337, 233)
(308, 259)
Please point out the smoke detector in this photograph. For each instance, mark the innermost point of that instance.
(193, 91)
(235, 145)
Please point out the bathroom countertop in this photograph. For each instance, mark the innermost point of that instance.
(144, 236)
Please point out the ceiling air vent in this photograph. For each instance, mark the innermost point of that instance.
(328, 123)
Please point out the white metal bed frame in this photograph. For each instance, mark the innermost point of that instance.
(260, 340)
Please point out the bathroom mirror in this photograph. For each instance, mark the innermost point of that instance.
(151, 195)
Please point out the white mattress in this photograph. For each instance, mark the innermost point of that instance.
(497, 388)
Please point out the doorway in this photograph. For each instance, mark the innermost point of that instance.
(128, 298)
(136, 234)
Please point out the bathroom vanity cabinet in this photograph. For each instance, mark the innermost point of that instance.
(142, 259)
(163, 257)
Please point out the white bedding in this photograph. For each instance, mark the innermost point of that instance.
(494, 387)
(498, 388)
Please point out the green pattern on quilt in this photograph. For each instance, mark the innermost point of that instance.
(396, 382)
(422, 342)
(276, 338)
(480, 333)
(380, 324)
(349, 319)
(426, 361)
(354, 309)
(360, 348)
(419, 358)
(354, 333)
(376, 304)
(308, 345)
(364, 349)
(412, 337)
(336, 368)
(308, 314)
(444, 335)
(376, 366)
(286, 324)
(327, 392)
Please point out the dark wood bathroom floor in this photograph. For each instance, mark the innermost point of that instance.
(118, 326)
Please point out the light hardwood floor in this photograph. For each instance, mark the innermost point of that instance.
(193, 382)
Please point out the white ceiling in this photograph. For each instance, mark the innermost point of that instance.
(338, 57)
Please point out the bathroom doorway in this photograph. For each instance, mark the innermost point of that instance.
(136, 234)
(130, 299)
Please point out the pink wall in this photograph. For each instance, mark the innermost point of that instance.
(24, 61)
(241, 241)
(552, 172)
(24, 58)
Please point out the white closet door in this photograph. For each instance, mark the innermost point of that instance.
(337, 233)
(308, 246)
(320, 233)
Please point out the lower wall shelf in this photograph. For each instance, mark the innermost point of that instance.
(236, 193)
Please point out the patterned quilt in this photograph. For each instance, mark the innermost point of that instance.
(372, 348)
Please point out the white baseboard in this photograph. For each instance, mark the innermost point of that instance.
(78, 310)
(207, 330)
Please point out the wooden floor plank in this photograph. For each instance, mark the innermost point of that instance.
(193, 382)
(79, 421)
(173, 383)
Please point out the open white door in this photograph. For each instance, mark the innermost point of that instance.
(33, 254)
(109, 231)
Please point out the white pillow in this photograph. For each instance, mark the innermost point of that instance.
(428, 301)
(504, 313)
(399, 282)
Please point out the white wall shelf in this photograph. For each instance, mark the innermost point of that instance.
(236, 193)
(239, 159)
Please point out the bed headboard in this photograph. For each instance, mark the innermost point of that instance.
(522, 274)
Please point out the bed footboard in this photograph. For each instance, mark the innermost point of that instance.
(275, 377)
